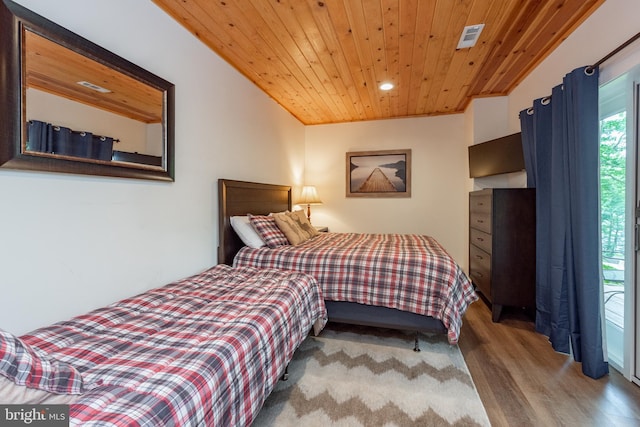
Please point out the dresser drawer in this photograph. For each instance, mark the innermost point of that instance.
(480, 221)
(480, 239)
(480, 269)
(480, 203)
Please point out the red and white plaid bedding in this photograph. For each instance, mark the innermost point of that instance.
(205, 350)
(407, 272)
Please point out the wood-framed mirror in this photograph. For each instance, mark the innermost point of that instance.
(71, 106)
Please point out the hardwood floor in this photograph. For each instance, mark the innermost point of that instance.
(522, 381)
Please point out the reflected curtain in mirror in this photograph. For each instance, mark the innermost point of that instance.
(47, 138)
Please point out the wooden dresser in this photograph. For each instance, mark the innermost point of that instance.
(502, 246)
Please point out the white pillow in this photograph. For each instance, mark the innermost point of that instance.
(243, 228)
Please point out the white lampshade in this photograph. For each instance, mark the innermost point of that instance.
(309, 196)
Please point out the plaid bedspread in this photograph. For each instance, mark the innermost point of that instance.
(206, 350)
(406, 272)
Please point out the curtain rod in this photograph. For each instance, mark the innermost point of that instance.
(616, 50)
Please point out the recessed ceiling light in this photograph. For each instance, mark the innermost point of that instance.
(386, 86)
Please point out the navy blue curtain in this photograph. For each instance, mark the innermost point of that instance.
(101, 148)
(62, 141)
(560, 136)
(39, 136)
(47, 138)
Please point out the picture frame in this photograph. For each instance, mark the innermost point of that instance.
(381, 173)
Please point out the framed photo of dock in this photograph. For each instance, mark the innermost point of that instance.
(382, 173)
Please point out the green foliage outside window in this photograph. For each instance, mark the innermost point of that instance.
(612, 187)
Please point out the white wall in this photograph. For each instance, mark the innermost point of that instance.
(73, 243)
(488, 118)
(438, 205)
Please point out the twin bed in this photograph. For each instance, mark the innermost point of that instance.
(208, 349)
(203, 351)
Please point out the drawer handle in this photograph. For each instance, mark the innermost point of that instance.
(477, 274)
(480, 204)
(479, 256)
(479, 239)
(479, 221)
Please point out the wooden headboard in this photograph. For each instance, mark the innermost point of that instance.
(242, 198)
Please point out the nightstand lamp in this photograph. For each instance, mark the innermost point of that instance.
(309, 197)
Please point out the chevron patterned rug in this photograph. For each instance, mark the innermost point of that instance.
(356, 376)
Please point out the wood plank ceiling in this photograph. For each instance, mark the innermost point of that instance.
(324, 60)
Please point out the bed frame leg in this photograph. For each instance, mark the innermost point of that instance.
(285, 376)
(416, 348)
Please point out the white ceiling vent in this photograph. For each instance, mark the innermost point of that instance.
(469, 36)
(94, 87)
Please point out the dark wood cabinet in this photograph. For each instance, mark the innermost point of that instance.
(502, 246)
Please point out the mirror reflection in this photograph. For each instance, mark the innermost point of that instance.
(80, 109)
